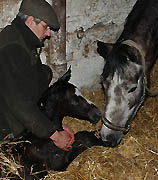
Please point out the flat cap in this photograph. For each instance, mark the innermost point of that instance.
(42, 10)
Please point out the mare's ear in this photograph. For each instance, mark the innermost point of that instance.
(104, 48)
(66, 76)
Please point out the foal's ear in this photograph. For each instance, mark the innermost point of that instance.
(66, 76)
(104, 48)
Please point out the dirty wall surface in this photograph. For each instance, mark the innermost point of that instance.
(87, 22)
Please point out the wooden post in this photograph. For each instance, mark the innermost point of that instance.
(57, 43)
(1, 13)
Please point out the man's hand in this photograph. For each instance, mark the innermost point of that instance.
(70, 132)
(63, 139)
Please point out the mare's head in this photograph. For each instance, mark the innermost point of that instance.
(64, 99)
(123, 83)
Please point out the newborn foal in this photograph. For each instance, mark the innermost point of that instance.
(40, 155)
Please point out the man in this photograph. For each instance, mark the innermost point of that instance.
(23, 77)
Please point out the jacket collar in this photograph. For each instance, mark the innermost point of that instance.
(29, 37)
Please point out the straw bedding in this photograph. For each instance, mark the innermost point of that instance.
(136, 158)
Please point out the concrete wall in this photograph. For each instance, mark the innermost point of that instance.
(8, 10)
(87, 22)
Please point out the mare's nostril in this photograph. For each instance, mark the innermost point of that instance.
(111, 140)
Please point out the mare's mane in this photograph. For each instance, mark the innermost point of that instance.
(135, 16)
(118, 60)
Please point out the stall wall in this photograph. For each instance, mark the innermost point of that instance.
(86, 22)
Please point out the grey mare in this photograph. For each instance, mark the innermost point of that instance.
(125, 77)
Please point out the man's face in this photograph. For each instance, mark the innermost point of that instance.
(41, 30)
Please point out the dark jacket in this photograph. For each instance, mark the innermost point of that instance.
(23, 78)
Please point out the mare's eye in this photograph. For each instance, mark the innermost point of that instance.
(132, 89)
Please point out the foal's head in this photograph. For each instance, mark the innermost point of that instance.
(64, 99)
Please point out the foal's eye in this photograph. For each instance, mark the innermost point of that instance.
(132, 89)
